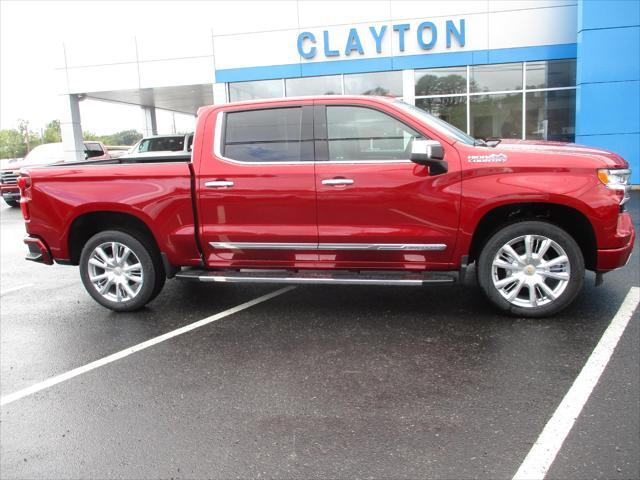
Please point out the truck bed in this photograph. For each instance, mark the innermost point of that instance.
(157, 193)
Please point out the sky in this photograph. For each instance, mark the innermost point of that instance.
(32, 34)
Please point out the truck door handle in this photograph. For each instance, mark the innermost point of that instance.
(219, 184)
(337, 181)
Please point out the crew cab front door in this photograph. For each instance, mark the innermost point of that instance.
(376, 208)
(256, 187)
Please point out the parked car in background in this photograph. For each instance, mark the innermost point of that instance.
(117, 151)
(47, 154)
(338, 190)
(162, 145)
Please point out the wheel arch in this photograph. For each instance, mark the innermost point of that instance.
(84, 226)
(570, 219)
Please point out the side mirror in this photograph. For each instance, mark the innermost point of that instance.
(429, 153)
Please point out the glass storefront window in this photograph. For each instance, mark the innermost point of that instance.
(329, 85)
(551, 74)
(239, 91)
(493, 101)
(378, 83)
(497, 115)
(551, 115)
(441, 81)
(452, 110)
(496, 78)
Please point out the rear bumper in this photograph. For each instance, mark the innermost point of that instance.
(610, 259)
(38, 250)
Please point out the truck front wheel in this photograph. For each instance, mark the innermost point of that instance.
(531, 269)
(120, 272)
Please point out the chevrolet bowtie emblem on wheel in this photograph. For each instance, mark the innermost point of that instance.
(493, 158)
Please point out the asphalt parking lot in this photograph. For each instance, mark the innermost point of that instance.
(318, 381)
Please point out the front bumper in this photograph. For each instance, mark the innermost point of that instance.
(612, 258)
(10, 192)
(38, 250)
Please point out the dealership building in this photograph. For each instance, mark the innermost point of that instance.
(551, 70)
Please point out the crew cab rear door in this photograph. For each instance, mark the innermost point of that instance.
(376, 208)
(256, 187)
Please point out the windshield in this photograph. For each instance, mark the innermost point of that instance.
(45, 154)
(437, 123)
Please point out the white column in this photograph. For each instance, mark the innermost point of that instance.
(150, 123)
(219, 93)
(71, 129)
(408, 87)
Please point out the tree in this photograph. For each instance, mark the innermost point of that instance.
(52, 132)
(29, 138)
(12, 144)
(125, 137)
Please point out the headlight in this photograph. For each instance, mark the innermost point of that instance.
(617, 180)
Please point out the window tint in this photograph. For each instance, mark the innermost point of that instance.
(269, 135)
(92, 150)
(357, 133)
(162, 144)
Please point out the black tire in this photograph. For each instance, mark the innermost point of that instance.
(514, 231)
(151, 265)
(12, 203)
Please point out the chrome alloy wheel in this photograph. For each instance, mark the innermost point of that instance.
(531, 271)
(115, 272)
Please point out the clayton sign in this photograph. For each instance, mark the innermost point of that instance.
(426, 34)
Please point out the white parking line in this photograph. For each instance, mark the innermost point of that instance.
(12, 397)
(544, 450)
(10, 290)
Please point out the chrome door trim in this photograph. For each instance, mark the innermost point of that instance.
(263, 246)
(428, 247)
(431, 247)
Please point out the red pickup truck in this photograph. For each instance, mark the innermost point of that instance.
(342, 190)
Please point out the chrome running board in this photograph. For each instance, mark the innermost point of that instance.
(318, 277)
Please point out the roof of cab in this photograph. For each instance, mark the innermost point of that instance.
(276, 101)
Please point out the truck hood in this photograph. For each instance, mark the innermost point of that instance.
(570, 152)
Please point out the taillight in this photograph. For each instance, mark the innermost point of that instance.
(24, 183)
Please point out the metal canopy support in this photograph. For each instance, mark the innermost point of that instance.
(150, 122)
(71, 128)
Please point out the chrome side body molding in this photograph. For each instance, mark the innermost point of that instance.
(429, 247)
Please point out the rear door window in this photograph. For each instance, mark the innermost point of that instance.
(268, 135)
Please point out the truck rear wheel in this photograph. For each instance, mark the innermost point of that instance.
(119, 271)
(531, 269)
